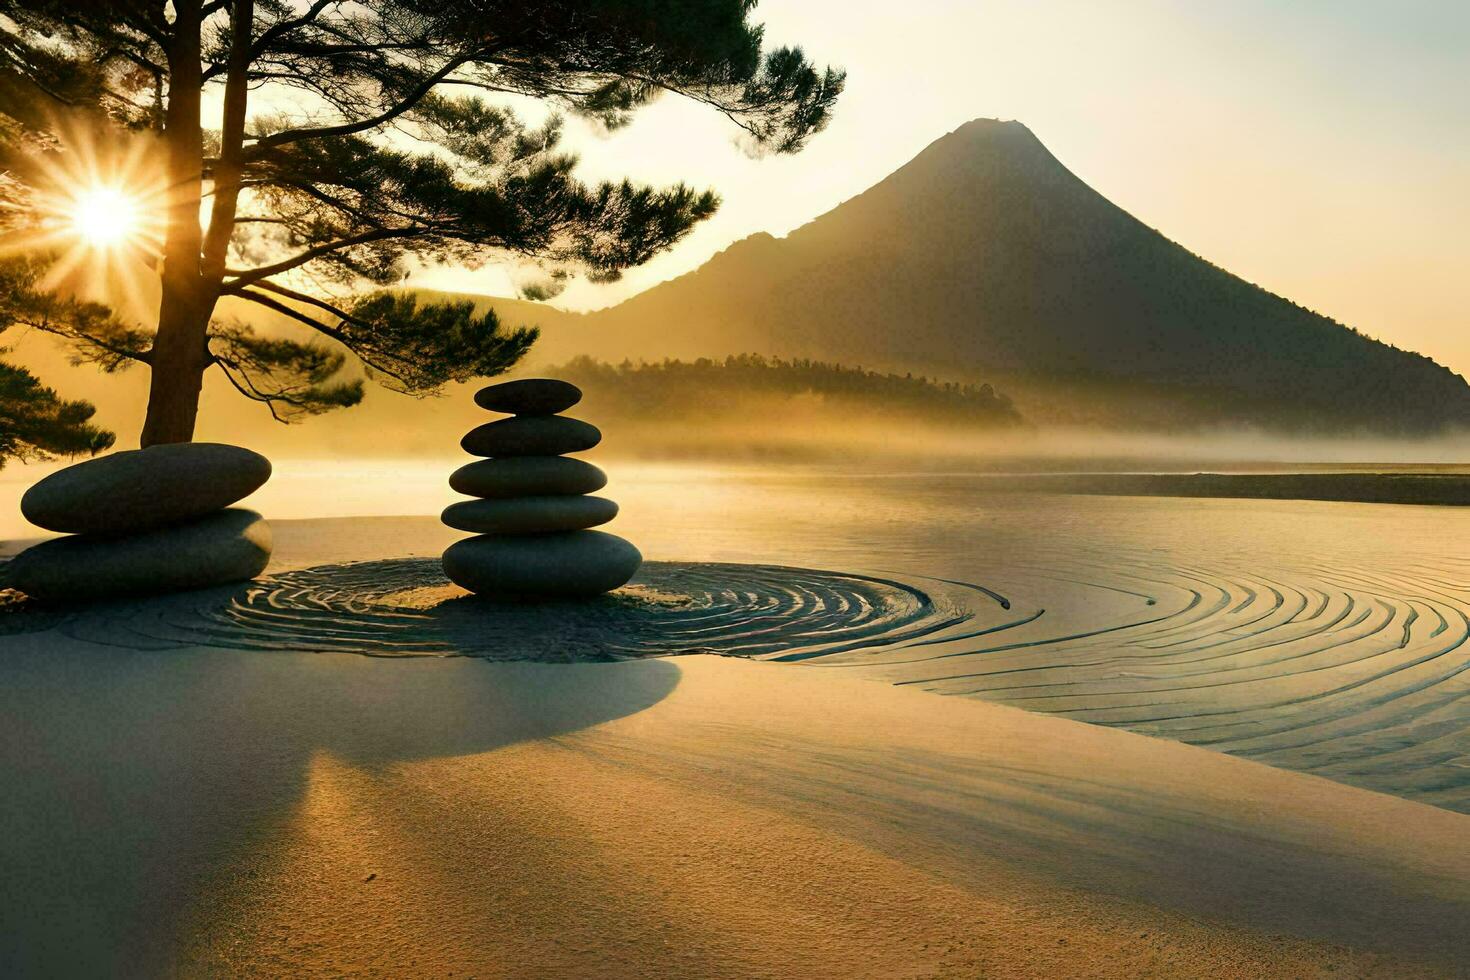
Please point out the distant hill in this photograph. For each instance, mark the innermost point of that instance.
(755, 407)
(985, 257)
(691, 391)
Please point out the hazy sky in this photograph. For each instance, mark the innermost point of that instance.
(1321, 149)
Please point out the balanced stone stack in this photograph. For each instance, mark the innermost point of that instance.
(145, 521)
(532, 514)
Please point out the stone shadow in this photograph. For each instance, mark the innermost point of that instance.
(138, 784)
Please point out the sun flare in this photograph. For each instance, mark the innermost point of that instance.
(105, 216)
(97, 219)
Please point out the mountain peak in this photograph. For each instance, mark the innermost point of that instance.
(983, 144)
(984, 258)
(997, 134)
(992, 127)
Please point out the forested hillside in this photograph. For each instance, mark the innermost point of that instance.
(692, 390)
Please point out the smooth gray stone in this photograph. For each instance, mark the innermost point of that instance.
(144, 488)
(529, 396)
(528, 515)
(527, 476)
(564, 564)
(229, 546)
(531, 435)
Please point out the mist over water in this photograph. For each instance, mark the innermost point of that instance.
(314, 487)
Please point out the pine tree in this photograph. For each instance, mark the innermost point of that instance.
(394, 145)
(35, 422)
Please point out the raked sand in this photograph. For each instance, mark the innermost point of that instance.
(201, 811)
(193, 810)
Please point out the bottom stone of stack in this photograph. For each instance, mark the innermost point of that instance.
(562, 564)
(228, 546)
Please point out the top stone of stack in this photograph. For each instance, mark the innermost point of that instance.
(142, 489)
(529, 396)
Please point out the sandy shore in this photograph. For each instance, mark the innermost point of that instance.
(202, 811)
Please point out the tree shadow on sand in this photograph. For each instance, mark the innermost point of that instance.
(137, 784)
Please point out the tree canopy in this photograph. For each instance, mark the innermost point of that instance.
(35, 422)
(356, 139)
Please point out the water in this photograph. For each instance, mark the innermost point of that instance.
(1328, 638)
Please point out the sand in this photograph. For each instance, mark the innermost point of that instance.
(201, 811)
(172, 807)
(1326, 638)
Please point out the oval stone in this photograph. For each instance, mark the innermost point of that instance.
(527, 476)
(529, 396)
(139, 489)
(229, 546)
(531, 435)
(527, 515)
(565, 564)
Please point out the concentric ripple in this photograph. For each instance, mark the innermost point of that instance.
(408, 608)
(1360, 674)
(1355, 670)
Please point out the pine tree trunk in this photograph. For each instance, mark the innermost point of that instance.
(179, 353)
(179, 359)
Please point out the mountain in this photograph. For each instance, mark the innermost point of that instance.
(984, 258)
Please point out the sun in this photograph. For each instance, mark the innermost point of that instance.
(105, 216)
(94, 212)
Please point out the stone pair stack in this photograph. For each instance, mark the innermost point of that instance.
(145, 521)
(532, 515)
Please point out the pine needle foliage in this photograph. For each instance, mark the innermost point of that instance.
(360, 139)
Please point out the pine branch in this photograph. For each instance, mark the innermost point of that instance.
(245, 277)
(347, 129)
(306, 298)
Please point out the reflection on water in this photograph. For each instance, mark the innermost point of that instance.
(1323, 637)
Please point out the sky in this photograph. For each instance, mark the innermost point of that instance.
(1320, 149)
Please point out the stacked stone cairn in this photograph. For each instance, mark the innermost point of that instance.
(145, 521)
(532, 515)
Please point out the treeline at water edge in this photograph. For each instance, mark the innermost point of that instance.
(710, 387)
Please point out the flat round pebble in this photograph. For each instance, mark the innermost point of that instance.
(140, 489)
(529, 515)
(529, 396)
(527, 476)
(531, 435)
(228, 546)
(562, 565)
